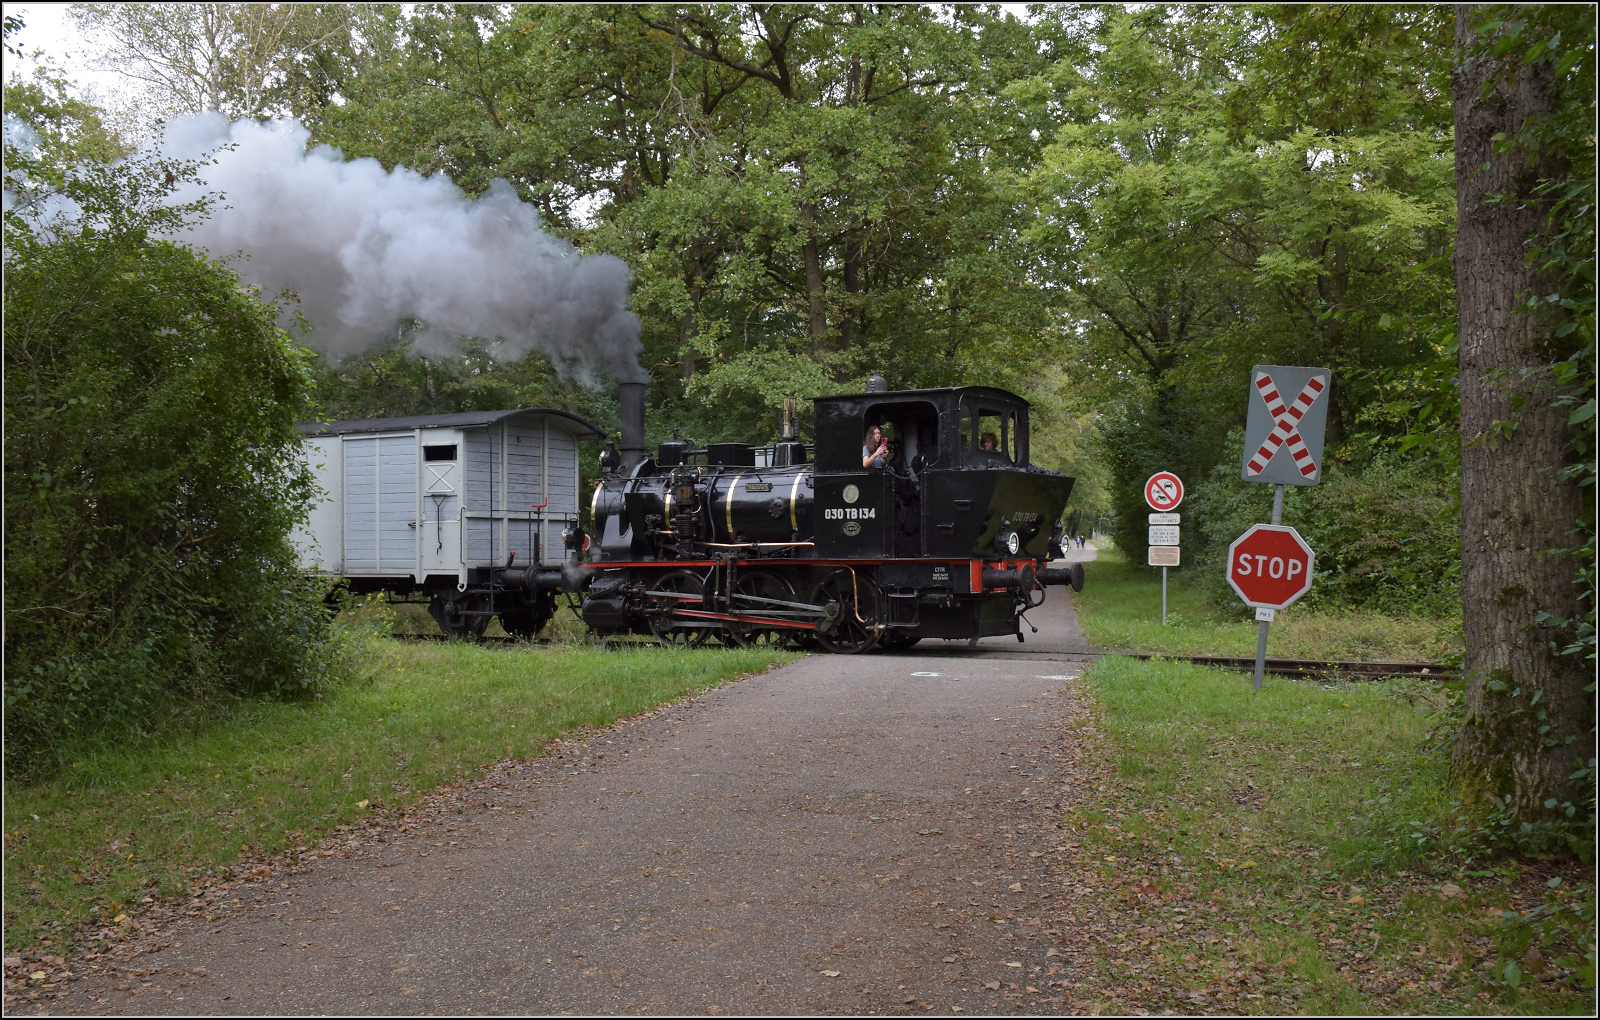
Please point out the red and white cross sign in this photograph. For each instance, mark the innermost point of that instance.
(1286, 427)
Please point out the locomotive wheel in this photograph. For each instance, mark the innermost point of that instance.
(853, 595)
(759, 584)
(659, 610)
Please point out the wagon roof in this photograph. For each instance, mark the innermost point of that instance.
(461, 419)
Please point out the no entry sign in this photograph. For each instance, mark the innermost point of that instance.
(1270, 566)
(1163, 491)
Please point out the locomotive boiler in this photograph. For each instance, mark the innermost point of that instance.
(946, 536)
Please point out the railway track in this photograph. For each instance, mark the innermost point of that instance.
(1308, 668)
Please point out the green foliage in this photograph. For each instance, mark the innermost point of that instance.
(1207, 206)
(1387, 534)
(805, 194)
(150, 463)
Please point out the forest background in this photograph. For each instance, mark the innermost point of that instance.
(1113, 210)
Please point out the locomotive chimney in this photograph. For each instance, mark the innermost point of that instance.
(631, 397)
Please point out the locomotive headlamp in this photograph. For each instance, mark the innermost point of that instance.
(1007, 542)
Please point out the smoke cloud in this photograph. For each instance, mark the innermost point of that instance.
(365, 248)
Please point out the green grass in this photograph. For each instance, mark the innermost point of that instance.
(121, 824)
(1120, 607)
(1260, 842)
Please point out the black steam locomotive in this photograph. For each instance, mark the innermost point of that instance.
(946, 535)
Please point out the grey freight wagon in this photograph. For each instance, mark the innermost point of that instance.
(464, 510)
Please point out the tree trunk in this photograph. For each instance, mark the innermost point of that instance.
(815, 290)
(1514, 508)
(852, 286)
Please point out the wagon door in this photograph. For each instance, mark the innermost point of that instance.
(380, 500)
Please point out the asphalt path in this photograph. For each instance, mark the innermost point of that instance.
(844, 834)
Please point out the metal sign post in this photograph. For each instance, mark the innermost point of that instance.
(1261, 638)
(1163, 491)
(1283, 433)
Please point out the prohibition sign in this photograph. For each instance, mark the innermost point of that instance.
(1163, 491)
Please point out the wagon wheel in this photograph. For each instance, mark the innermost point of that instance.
(759, 584)
(525, 622)
(659, 610)
(448, 614)
(855, 603)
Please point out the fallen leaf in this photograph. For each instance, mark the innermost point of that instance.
(1016, 886)
(950, 959)
(1449, 890)
(1357, 901)
(830, 973)
(1030, 988)
(361, 803)
(1534, 961)
(1010, 964)
(1052, 951)
(993, 986)
(37, 975)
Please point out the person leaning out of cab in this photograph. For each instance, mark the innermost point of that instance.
(874, 448)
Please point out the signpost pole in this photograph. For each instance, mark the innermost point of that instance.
(1261, 638)
(1163, 596)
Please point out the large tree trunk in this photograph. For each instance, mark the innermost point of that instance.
(1514, 508)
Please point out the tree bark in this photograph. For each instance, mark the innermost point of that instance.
(1514, 508)
(815, 289)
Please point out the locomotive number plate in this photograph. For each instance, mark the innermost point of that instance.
(850, 513)
(852, 528)
(758, 487)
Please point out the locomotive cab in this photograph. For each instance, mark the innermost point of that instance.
(958, 482)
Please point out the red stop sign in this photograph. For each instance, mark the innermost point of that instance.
(1270, 566)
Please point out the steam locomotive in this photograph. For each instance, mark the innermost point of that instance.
(945, 536)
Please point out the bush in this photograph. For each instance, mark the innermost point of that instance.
(151, 476)
(1387, 534)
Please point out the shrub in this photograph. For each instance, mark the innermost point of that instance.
(1386, 534)
(151, 476)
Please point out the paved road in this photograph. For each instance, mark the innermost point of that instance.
(846, 834)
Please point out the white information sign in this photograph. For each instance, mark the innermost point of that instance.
(1164, 518)
(1164, 555)
(1163, 534)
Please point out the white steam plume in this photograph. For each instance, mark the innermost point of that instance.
(365, 247)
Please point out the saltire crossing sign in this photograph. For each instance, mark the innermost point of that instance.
(1283, 441)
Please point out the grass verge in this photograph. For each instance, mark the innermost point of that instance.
(1250, 851)
(121, 825)
(1120, 607)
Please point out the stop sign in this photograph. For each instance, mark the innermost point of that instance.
(1270, 566)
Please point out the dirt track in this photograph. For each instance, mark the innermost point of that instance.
(841, 835)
